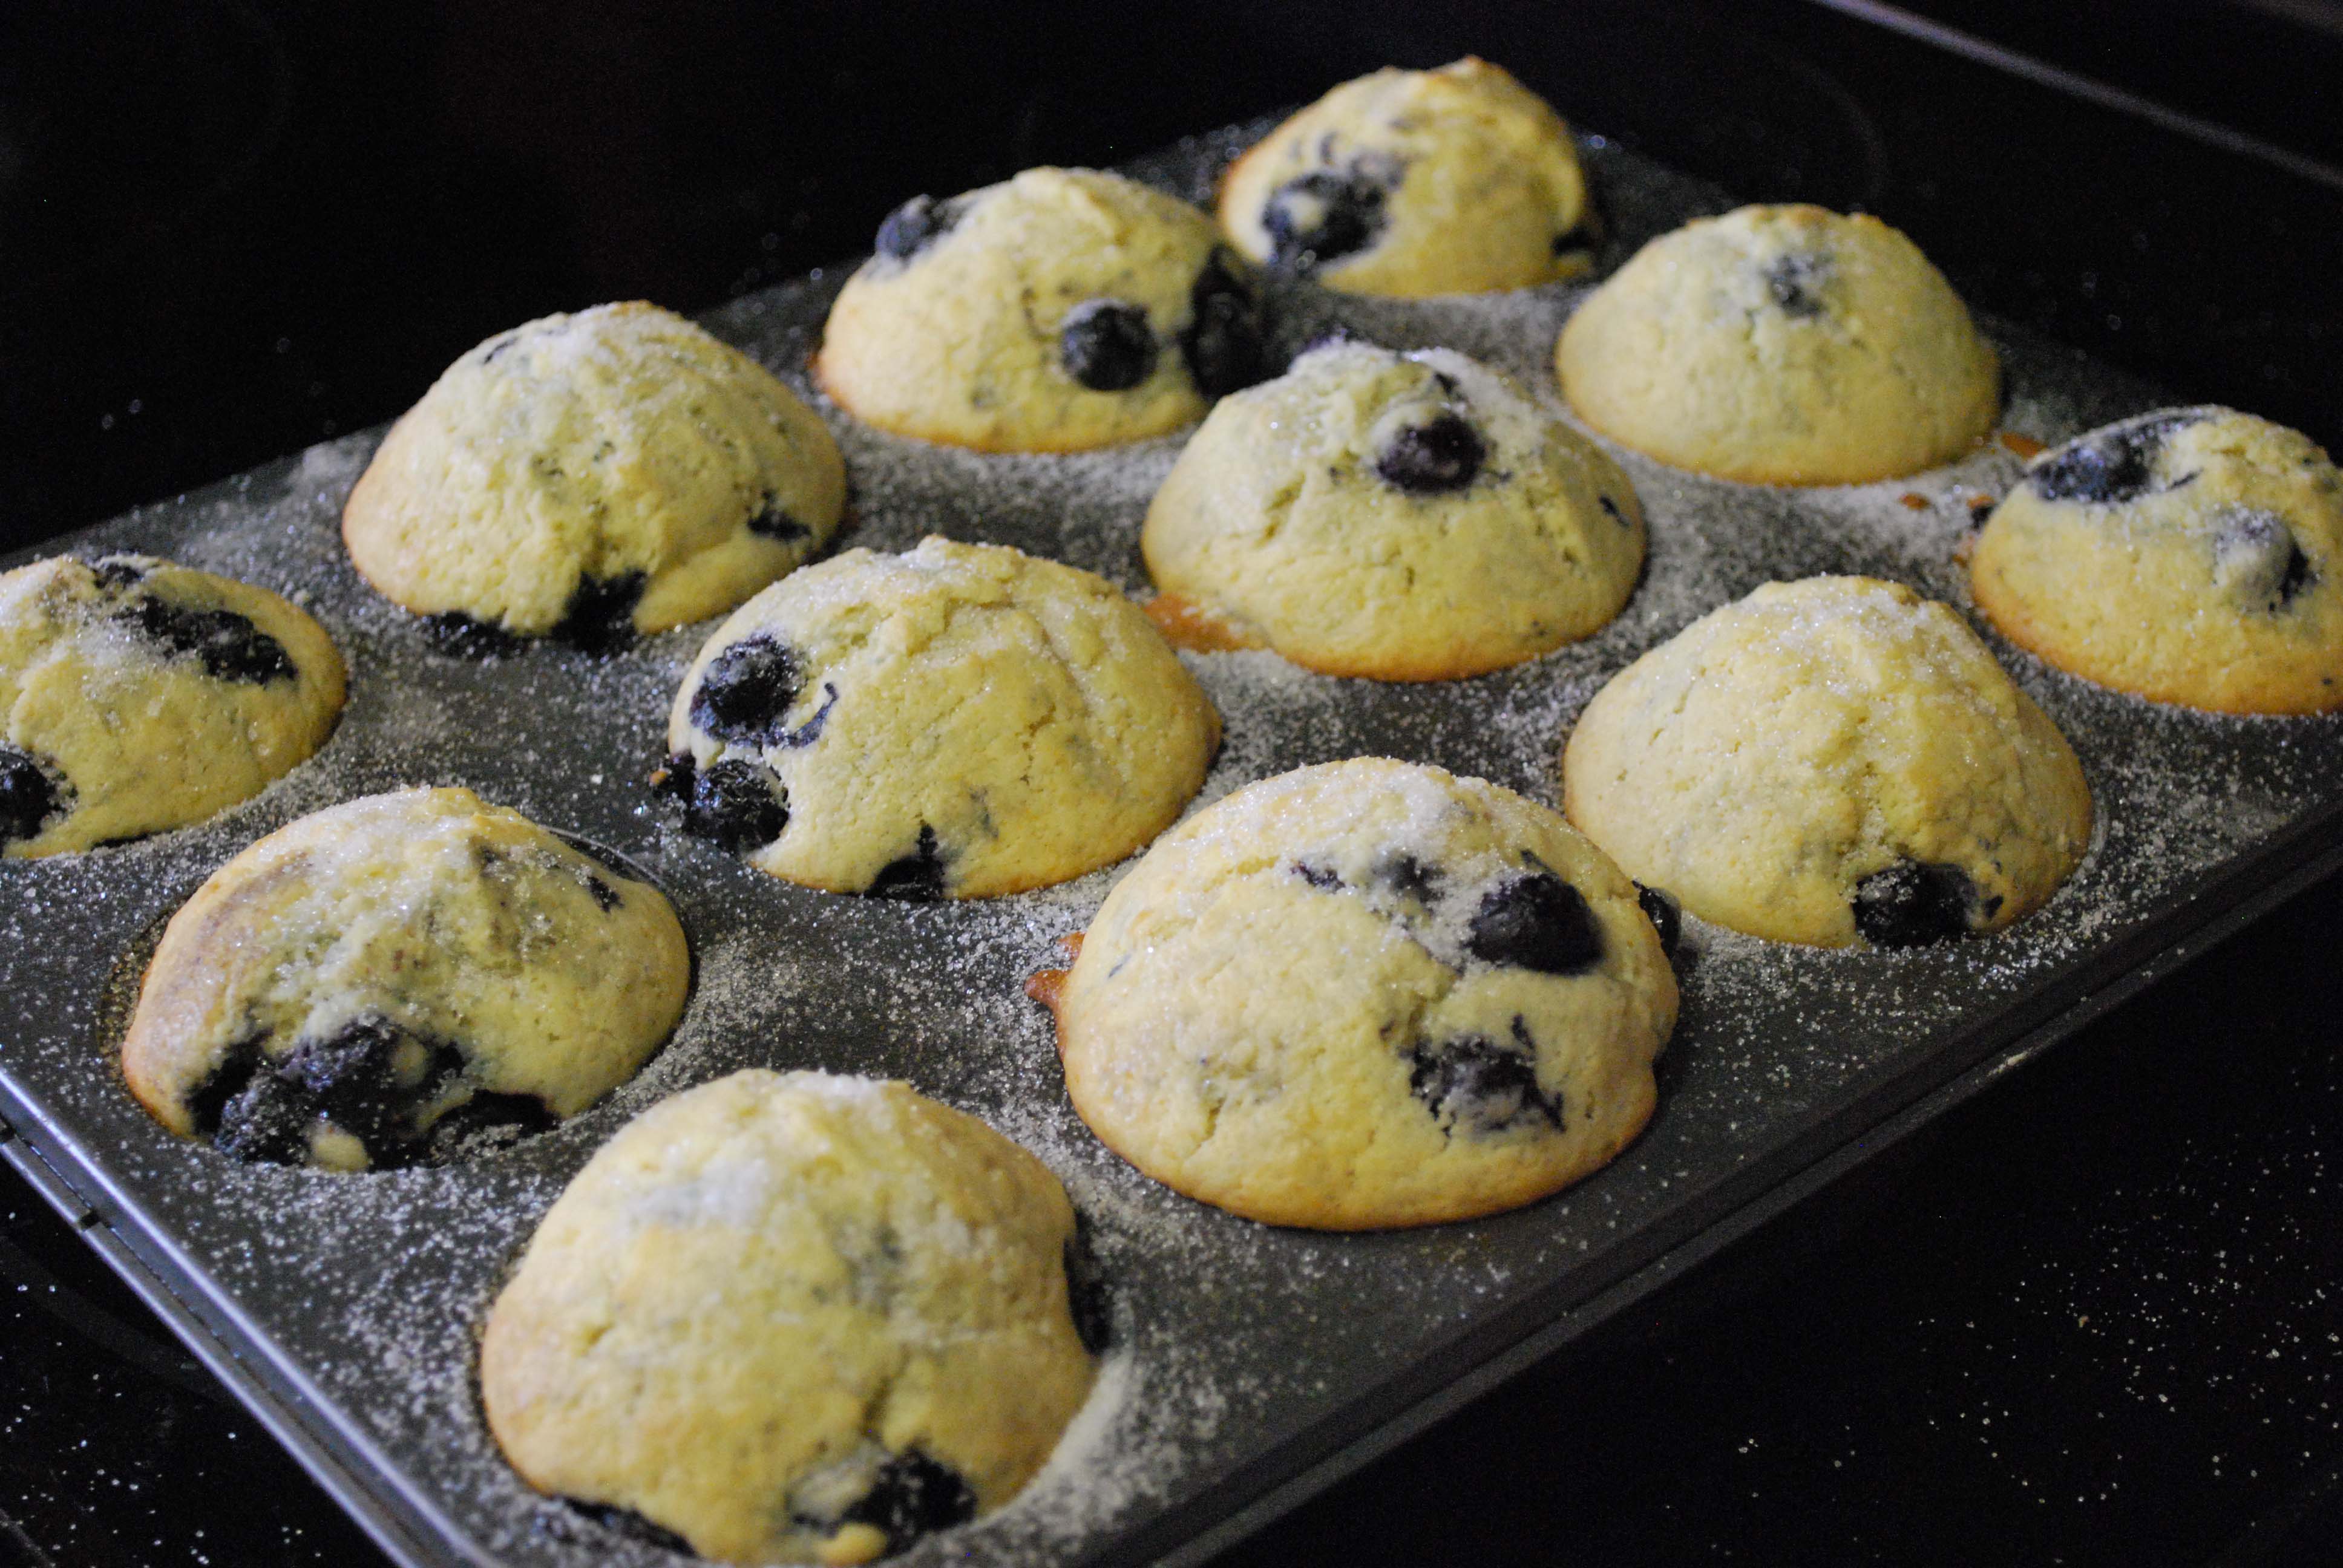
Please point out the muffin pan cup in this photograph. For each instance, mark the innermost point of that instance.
(1250, 1365)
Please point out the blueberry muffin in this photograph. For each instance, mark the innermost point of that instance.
(140, 695)
(792, 1318)
(1063, 309)
(1367, 994)
(1826, 760)
(1415, 183)
(589, 476)
(2190, 555)
(957, 721)
(399, 980)
(1782, 345)
(1408, 517)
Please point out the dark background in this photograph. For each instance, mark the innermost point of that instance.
(2097, 1316)
(230, 228)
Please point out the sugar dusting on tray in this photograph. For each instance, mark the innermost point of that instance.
(1230, 1338)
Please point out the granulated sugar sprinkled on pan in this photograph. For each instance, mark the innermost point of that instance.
(1232, 1340)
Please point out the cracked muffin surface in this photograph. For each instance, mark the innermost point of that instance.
(792, 1318)
(1368, 994)
(1827, 759)
(401, 979)
(1414, 183)
(956, 721)
(587, 478)
(136, 696)
(1782, 345)
(2185, 555)
(1060, 310)
(1406, 517)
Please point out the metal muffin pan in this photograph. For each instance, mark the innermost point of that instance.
(1251, 1364)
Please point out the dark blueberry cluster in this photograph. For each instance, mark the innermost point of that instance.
(1107, 344)
(31, 792)
(1913, 903)
(631, 1524)
(912, 1495)
(1528, 920)
(600, 617)
(2109, 466)
(737, 804)
(774, 522)
(1223, 342)
(1439, 454)
(1476, 1084)
(1398, 872)
(917, 877)
(1320, 218)
(462, 636)
(1796, 281)
(747, 691)
(228, 646)
(915, 225)
(2262, 560)
(1536, 921)
(374, 1080)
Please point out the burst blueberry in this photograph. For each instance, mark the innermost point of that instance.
(1443, 453)
(771, 520)
(915, 225)
(2110, 467)
(1913, 903)
(266, 1122)
(1667, 920)
(917, 877)
(1222, 342)
(600, 616)
(1536, 921)
(747, 691)
(2259, 559)
(1796, 281)
(1320, 218)
(1475, 1084)
(227, 644)
(1107, 344)
(208, 1100)
(30, 794)
(1409, 877)
(373, 1080)
(462, 636)
(912, 1495)
(736, 804)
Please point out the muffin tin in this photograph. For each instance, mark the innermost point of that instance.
(1249, 1363)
